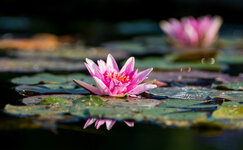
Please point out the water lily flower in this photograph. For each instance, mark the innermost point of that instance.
(109, 123)
(192, 32)
(114, 82)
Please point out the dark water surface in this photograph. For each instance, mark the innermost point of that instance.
(142, 136)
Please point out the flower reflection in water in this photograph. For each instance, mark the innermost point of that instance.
(109, 123)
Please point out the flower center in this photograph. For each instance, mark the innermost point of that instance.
(118, 76)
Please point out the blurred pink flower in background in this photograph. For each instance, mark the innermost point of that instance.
(109, 123)
(111, 81)
(192, 32)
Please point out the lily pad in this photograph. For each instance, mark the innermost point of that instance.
(139, 45)
(27, 90)
(195, 56)
(34, 110)
(136, 113)
(188, 104)
(229, 86)
(106, 107)
(70, 53)
(230, 95)
(164, 64)
(46, 78)
(193, 93)
(38, 65)
(197, 93)
(230, 57)
(194, 77)
(229, 110)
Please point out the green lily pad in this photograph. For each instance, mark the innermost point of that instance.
(128, 46)
(197, 93)
(34, 110)
(230, 95)
(54, 100)
(139, 45)
(136, 113)
(107, 107)
(38, 65)
(229, 86)
(229, 110)
(194, 56)
(230, 57)
(51, 80)
(37, 99)
(187, 104)
(70, 53)
(193, 93)
(194, 77)
(45, 83)
(27, 90)
(164, 64)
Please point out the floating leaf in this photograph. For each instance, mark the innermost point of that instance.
(228, 95)
(139, 46)
(194, 77)
(188, 104)
(194, 93)
(229, 110)
(39, 89)
(38, 65)
(230, 57)
(195, 56)
(46, 78)
(229, 86)
(70, 53)
(197, 93)
(34, 110)
(107, 107)
(163, 64)
(54, 101)
(37, 99)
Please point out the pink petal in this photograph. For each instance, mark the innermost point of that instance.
(129, 123)
(99, 123)
(110, 124)
(129, 65)
(91, 66)
(102, 66)
(167, 28)
(141, 76)
(103, 88)
(142, 88)
(94, 72)
(191, 34)
(88, 87)
(211, 34)
(89, 122)
(112, 62)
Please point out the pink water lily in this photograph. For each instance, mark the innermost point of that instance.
(189, 31)
(109, 123)
(114, 82)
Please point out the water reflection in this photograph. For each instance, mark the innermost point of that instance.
(109, 123)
